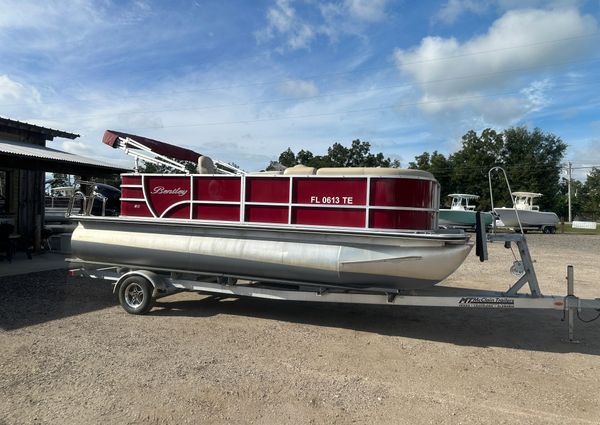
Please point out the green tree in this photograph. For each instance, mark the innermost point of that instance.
(287, 158)
(471, 164)
(339, 155)
(357, 155)
(533, 162)
(591, 189)
(578, 198)
(438, 165)
(304, 157)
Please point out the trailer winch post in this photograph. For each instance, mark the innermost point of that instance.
(569, 299)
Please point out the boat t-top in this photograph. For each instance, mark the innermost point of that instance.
(461, 213)
(527, 215)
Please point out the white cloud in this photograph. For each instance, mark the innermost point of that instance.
(347, 17)
(299, 88)
(535, 94)
(13, 91)
(281, 16)
(236, 123)
(282, 20)
(455, 75)
(454, 9)
(31, 14)
(367, 10)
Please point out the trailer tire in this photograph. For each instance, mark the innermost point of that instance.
(549, 230)
(135, 295)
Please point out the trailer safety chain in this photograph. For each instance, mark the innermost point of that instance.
(566, 303)
(590, 320)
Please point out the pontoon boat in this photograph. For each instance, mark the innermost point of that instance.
(338, 227)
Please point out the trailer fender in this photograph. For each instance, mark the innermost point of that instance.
(156, 280)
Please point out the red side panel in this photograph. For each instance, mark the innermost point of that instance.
(135, 209)
(390, 219)
(178, 211)
(217, 212)
(132, 192)
(334, 191)
(268, 189)
(209, 188)
(267, 214)
(402, 193)
(131, 179)
(320, 201)
(164, 191)
(342, 217)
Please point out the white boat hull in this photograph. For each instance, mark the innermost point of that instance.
(528, 218)
(339, 258)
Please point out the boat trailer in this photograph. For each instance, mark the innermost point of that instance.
(138, 289)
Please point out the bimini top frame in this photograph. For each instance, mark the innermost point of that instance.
(159, 153)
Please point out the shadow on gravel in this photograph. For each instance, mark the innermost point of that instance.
(517, 329)
(36, 298)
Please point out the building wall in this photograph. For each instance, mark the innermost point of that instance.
(26, 193)
(30, 205)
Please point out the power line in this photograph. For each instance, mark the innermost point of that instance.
(338, 93)
(500, 49)
(355, 111)
(586, 167)
(364, 69)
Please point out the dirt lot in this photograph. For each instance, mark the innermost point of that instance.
(70, 355)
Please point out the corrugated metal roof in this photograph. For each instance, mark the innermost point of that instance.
(41, 152)
(37, 128)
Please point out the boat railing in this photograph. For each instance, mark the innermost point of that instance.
(76, 195)
(87, 200)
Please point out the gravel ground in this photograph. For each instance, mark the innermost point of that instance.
(70, 355)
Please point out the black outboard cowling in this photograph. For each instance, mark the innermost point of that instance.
(113, 200)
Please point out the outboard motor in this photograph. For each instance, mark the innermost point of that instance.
(113, 200)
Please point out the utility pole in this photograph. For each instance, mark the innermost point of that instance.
(569, 186)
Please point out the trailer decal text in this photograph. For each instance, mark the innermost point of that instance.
(486, 302)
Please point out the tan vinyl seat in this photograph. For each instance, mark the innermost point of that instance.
(373, 171)
(266, 173)
(206, 165)
(299, 170)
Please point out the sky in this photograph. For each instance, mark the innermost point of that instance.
(242, 80)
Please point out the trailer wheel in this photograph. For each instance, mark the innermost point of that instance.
(135, 295)
(549, 229)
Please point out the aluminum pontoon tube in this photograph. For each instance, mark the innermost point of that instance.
(410, 260)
